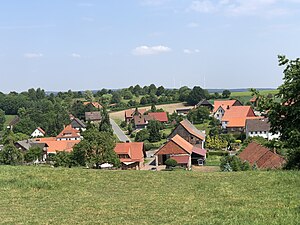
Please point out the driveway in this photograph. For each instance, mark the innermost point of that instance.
(117, 130)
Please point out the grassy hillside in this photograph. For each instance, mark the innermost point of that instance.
(37, 195)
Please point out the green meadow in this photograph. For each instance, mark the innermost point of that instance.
(42, 195)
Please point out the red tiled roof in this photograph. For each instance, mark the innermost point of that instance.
(57, 146)
(224, 104)
(69, 132)
(159, 116)
(199, 151)
(129, 113)
(192, 129)
(95, 104)
(262, 156)
(236, 116)
(41, 130)
(253, 99)
(135, 150)
(177, 139)
(181, 159)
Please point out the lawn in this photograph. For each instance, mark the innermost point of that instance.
(8, 119)
(41, 195)
(248, 93)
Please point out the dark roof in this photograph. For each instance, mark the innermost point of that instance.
(77, 122)
(262, 156)
(204, 102)
(141, 120)
(93, 116)
(27, 144)
(258, 125)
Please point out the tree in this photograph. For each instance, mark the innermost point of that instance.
(2, 119)
(95, 149)
(160, 90)
(154, 127)
(226, 94)
(198, 115)
(171, 163)
(34, 153)
(142, 135)
(62, 159)
(105, 125)
(89, 96)
(196, 95)
(284, 115)
(10, 155)
(116, 97)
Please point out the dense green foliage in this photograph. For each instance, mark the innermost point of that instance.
(78, 196)
(284, 115)
(95, 149)
(10, 155)
(233, 163)
(198, 115)
(171, 163)
(33, 154)
(2, 119)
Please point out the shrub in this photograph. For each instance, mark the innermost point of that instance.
(217, 153)
(235, 164)
(171, 163)
(123, 124)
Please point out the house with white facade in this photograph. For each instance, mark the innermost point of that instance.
(260, 128)
(39, 132)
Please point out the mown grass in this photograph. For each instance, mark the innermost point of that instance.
(248, 93)
(8, 119)
(39, 195)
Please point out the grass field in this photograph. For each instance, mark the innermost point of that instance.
(40, 195)
(8, 119)
(248, 93)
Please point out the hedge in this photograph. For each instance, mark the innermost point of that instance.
(217, 153)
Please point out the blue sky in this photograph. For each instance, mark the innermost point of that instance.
(80, 45)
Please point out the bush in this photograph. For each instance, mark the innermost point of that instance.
(62, 159)
(234, 163)
(149, 146)
(217, 153)
(171, 163)
(123, 124)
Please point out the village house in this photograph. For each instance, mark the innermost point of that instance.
(93, 117)
(262, 157)
(96, 105)
(205, 103)
(69, 134)
(25, 145)
(130, 113)
(38, 132)
(234, 119)
(189, 132)
(141, 121)
(131, 155)
(78, 124)
(260, 128)
(182, 151)
(221, 106)
(54, 145)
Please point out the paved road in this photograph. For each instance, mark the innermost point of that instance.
(117, 130)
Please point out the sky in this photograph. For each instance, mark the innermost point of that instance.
(92, 44)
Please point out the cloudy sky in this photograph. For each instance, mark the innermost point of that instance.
(91, 44)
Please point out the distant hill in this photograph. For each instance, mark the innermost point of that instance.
(210, 90)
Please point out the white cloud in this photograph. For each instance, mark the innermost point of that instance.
(193, 25)
(203, 6)
(267, 8)
(76, 55)
(150, 50)
(33, 55)
(191, 51)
